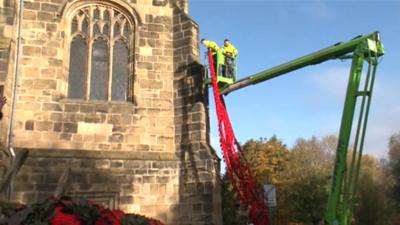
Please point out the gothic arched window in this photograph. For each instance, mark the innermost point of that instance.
(101, 49)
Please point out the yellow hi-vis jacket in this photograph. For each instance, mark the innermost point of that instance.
(212, 45)
(230, 51)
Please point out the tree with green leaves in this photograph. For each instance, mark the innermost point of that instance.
(267, 159)
(307, 179)
(394, 165)
(373, 205)
(394, 157)
(232, 213)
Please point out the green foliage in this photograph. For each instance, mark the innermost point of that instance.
(394, 157)
(394, 168)
(302, 177)
(308, 176)
(373, 206)
(231, 212)
(267, 158)
(134, 219)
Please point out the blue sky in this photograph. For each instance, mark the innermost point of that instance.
(308, 101)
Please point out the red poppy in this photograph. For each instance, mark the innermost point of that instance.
(61, 218)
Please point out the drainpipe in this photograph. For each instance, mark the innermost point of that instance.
(10, 133)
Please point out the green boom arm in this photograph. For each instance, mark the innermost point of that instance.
(333, 52)
(345, 176)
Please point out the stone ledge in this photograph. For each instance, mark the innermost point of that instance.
(91, 154)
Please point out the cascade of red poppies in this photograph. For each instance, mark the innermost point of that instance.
(238, 168)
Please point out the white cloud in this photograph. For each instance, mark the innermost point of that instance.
(332, 82)
(384, 119)
(316, 8)
(376, 140)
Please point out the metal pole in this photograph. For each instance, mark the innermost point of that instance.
(15, 89)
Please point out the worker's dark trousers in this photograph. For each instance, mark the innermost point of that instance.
(215, 63)
(229, 67)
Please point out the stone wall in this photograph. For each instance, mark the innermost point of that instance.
(6, 21)
(200, 188)
(8, 14)
(45, 114)
(142, 183)
(150, 155)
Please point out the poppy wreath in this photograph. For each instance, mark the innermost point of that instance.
(68, 211)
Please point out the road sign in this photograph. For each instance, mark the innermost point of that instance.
(270, 195)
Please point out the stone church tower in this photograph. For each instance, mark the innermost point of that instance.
(112, 90)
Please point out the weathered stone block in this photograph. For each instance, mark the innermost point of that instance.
(162, 19)
(51, 52)
(44, 125)
(45, 16)
(29, 15)
(155, 27)
(31, 106)
(65, 137)
(100, 138)
(46, 7)
(149, 179)
(58, 1)
(100, 108)
(29, 125)
(70, 127)
(142, 147)
(116, 163)
(31, 51)
(51, 107)
(157, 148)
(86, 108)
(148, 18)
(163, 179)
(151, 84)
(132, 164)
(57, 127)
(55, 62)
(160, 2)
(121, 129)
(104, 146)
(157, 52)
(47, 72)
(71, 107)
(44, 84)
(102, 164)
(114, 119)
(116, 138)
(32, 5)
(145, 65)
(77, 138)
(93, 128)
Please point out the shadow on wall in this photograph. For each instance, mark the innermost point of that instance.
(199, 162)
(192, 100)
